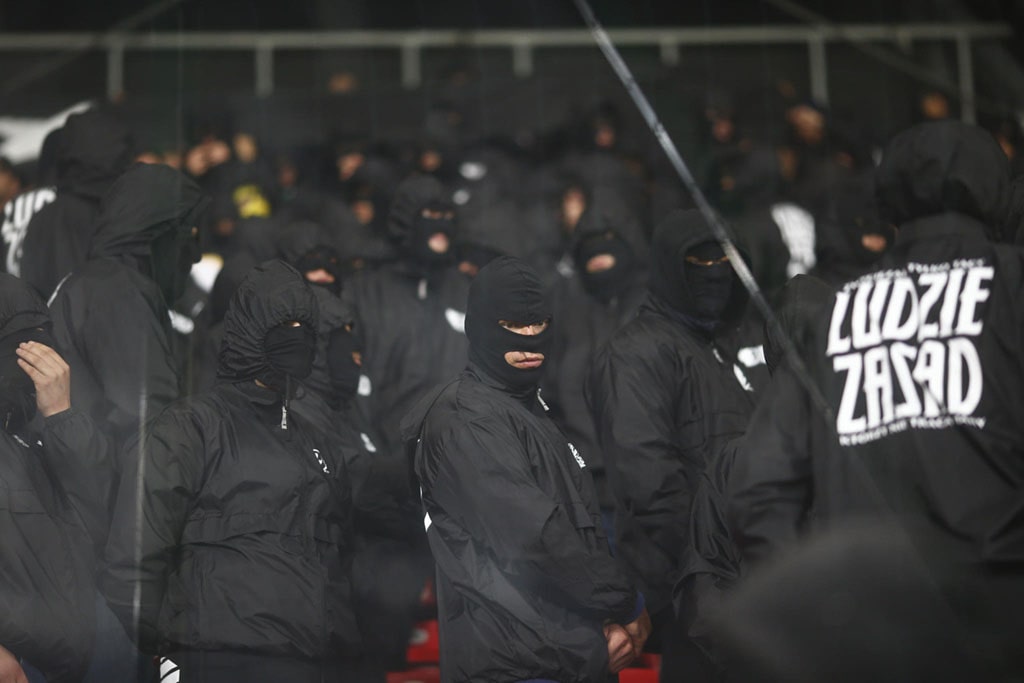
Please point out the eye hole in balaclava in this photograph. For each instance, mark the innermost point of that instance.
(321, 266)
(290, 348)
(172, 255)
(507, 290)
(710, 281)
(344, 361)
(430, 239)
(17, 392)
(606, 264)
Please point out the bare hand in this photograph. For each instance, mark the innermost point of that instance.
(620, 648)
(10, 669)
(639, 630)
(49, 373)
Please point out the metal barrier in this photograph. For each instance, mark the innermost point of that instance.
(522, 43)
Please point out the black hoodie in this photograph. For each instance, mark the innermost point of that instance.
(55, 479)
(665, 401)
(244, 539)
(920, 364)
(110, 317)
(412, 320)
(94, 149)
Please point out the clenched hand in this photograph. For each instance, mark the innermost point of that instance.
(10, 670)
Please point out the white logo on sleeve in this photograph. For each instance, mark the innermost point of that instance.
(457, 319)
(905, 341)
(367, 444)
(365, 386)
(576, 454)
(320, 459)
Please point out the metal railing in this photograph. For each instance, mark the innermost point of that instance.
(522, 44)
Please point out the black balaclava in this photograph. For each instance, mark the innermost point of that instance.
(410, 231)
(710, 286)
(23, 317)
(704, 298)
(172, 254)
(290, 351)
(506, 289)
(607, 284)
(17, 391)
(342, 368)
(323, 257)
(423, 228)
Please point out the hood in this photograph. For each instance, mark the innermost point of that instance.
(939, 167)
(801, 303)
(272, 293)
(145, 202)
(20, 307)
(299, 238)
(228, 280)
(679, 232)
(410, 197)
(93, 149)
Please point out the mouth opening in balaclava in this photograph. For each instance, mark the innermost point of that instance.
(17, 391)
(507, 289)
(605, 263)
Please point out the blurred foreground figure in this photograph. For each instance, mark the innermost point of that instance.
(111, 314)
(858, 604)
(231, 546)
(55, 478)
(93, 149)
(527, 590)
(921, 366)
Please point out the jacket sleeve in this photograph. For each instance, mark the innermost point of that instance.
(160, 477)
(126, 345)
(770, 481)
(82, 457)
(651, 475)
(485, 484)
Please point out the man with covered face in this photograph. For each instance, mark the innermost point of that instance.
(55, 479)
(110, 316)
(230, 551)
(665, 399)
(527, 590)
(412, 311)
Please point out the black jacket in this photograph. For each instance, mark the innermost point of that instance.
(245, 527)
(584, 324)
(413, 329)
(665, 401)
(18, 213)
(55, 478)
(525, 581)
(110, 317)
(925, 405)
(94, 149)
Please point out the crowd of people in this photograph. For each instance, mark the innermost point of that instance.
(250, 413)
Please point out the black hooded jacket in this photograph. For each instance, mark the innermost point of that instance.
(665, 401)
(55, 479)
(586, 320)
(920, 365)
(525, 581)
(244, 538)
(110, 317)
(412, 320)
(94, 149)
